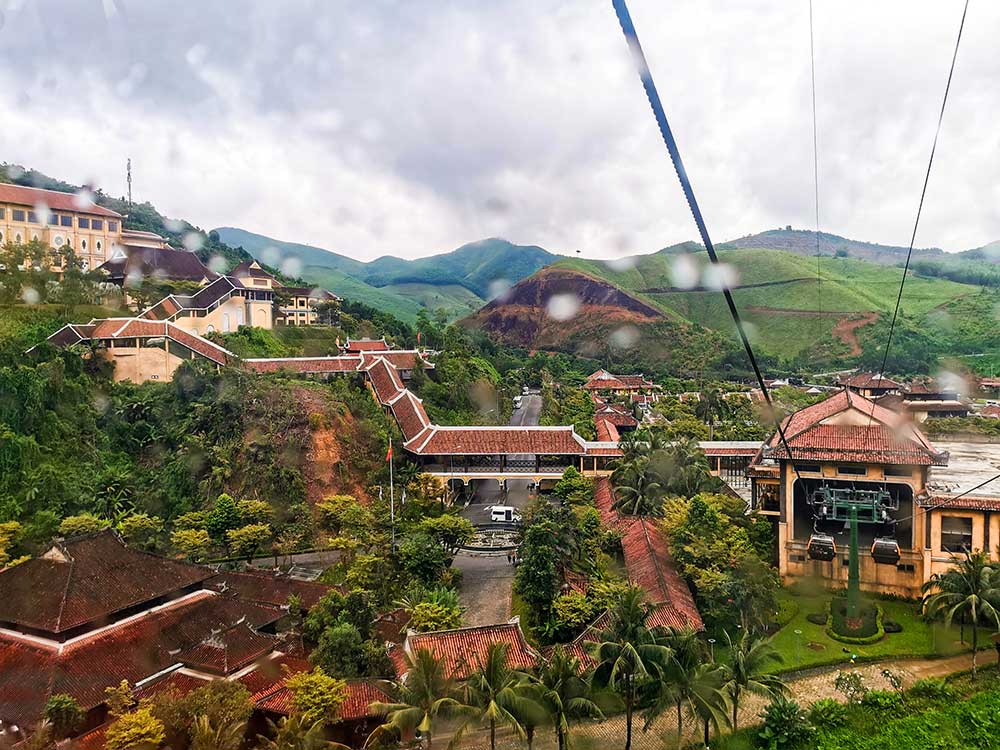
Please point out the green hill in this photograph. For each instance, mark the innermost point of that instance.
(806, 310)
(458, 282)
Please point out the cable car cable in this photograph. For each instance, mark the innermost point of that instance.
(642, 67)
(920, 205)
(812, 68)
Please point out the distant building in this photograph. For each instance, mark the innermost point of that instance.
(131, 265)
(297, 304)
(59, 219)
(605, 382)
(870, 385)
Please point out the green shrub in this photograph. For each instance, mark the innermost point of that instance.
(934, 688)
(786, 725)
(827, 713)
(882, 701)
(817, 618)
(891, 626)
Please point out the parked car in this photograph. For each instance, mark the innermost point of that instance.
(504, 514)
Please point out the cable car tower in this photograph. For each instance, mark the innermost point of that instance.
(847, 507)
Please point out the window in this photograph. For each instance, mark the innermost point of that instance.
(906, 567)
(112, 226)
(811, 468)
(858, 471)
(32, 217)
(57, 241)
(98, 246)
(65, 221)
(3, 213)
(97, 224)
(17, 214)
(17, 239)
(956, 533)
(898, 471)
(83, 223)
(53, 220)
(83, 245)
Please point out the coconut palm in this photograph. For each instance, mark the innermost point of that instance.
(967, 589)
(296, 733)
(746, 667)
(707, 697)
(501, 695)
(564, 694)
(206, 735)
(687, 652)
(710, 406)
(426, 694)
(682, 468)
(638, 489)
(629, 656)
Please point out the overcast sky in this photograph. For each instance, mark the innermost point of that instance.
(409, 128)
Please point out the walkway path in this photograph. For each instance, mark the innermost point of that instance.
(806, 689)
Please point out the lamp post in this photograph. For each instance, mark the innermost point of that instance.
(798, 647)
(711, 645)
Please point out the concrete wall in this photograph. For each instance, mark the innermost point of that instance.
(139, 364)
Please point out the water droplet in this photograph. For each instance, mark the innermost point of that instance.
(625, 263)
(30, 295)
(217, 264)
(719, 276)
(684, 272)
(173, 225)
(196, 55)
(83, 199)
(14, 171)
(101, 403)
(134, 279)
(499, 289)
(43, 213)
(291, 267)
(625, 337)
(271, 256)
(563, 306)
(497, 205)
(194, 241)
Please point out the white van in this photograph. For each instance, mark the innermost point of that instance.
(504, 514)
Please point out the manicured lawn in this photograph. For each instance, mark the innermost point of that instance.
(813, 648)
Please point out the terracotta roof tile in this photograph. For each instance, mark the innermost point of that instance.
(228, 650)
(56, 200)
(157, 263)
(267, 588)
(869, 380)
(606, 430)
(305, 365)
(555, 441)
(462, 648)
(384, 379)
(88, 578)
(366, 345)
(402, 359)
(966, 502)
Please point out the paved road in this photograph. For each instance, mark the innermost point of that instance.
(488, 492)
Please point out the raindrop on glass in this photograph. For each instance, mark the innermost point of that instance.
(499, 289)
(563, 306)
(684, 272)
(625, 337)
(30, 295)
(83, 199)
(291, 267)
(194, 241)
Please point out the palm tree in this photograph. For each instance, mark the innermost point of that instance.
(501, 695)
(707, 697)
(677, 682)
(296, 733)
(205, 735)
(682, 468)
(638, 490)
(426, 693)
(629, 655)
(564, 694)
(710, 405)
(746, 670)
(968, 589)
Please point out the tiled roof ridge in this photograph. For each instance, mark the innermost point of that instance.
(513, 622)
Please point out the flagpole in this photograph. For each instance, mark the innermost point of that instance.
(392, 501)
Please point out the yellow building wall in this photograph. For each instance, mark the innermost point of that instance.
(140, 364)
(92, 246)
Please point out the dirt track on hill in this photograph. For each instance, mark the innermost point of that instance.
(845, 329)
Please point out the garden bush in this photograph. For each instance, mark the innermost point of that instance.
(786, 725)
(935, 688)
(817, 618)
(867, 628)
(891, 626)
(827, 713)
(882, 701)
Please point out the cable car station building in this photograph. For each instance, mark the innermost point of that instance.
(848, 451)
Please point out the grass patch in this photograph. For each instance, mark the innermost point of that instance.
(814, 648)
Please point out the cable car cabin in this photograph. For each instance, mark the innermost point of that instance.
(821, 547)
(885, 551)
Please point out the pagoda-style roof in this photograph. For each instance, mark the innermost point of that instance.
(87, 580)
(851, 428)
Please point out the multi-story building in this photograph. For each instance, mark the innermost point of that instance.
(59, 219)
(296, 304)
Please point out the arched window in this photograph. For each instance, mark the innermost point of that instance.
(17, 239)
(83, 244)
(225, 322)
(98, 246)
(210, 329)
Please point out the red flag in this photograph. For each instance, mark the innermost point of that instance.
(388, 456)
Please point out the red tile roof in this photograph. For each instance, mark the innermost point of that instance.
(79, 581)
(385, 380)
(554, 441)
(305, 365)
(410, 415)
(602, 380)
(133, 650)
(869, 380)
(992, 411)
(462, 648)
(402, 359)
(228, 650)
(606, 430)
(648, 563)
(366, 345)
(734, 448)
(360, 695)
(156, 263)
(54, 199)
(267, 588)
(889, 438)
(966, 502)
